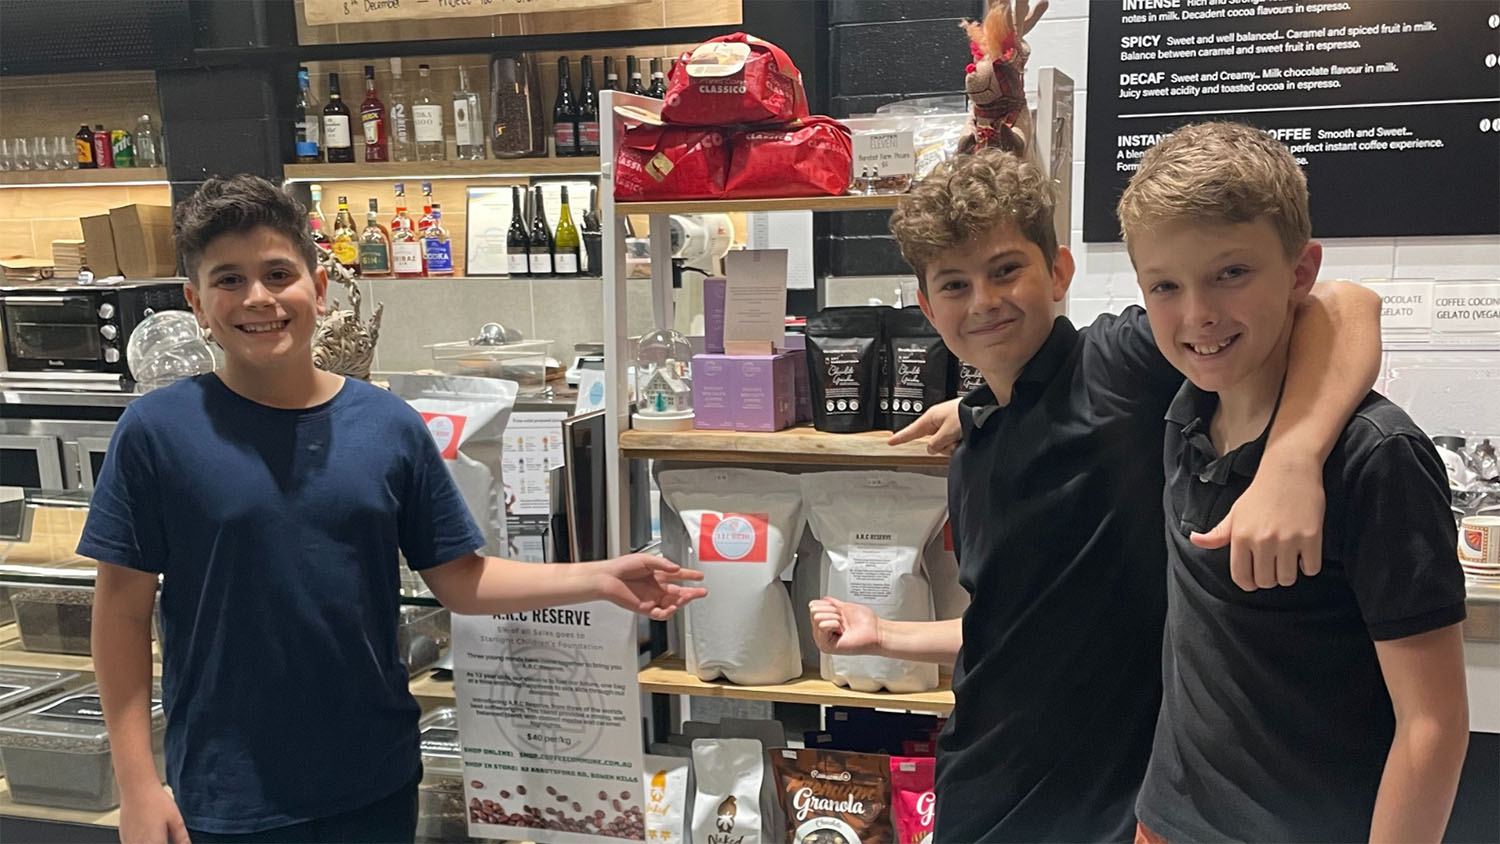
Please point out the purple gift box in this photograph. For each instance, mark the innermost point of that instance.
(744, 392)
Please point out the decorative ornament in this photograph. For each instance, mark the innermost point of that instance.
(344, 344)
(995, 81)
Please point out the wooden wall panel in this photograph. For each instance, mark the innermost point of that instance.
(31, 218)
(55, 104)
(653, 15)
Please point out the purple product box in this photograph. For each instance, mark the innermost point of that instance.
(712, 385)
(758, 392)
(713, 314)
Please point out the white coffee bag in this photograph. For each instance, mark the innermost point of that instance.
(743, 526)
(726, 807)
(666, 784)
(467, 418)
(949, 597)
(873, 526)
(807, 586)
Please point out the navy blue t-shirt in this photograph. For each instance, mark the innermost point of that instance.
(277, 532)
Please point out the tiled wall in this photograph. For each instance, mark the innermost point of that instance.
(1105, 280)
(31, 218)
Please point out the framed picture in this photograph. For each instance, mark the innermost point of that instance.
(486, 225)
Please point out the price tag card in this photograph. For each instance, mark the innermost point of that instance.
(888, 153)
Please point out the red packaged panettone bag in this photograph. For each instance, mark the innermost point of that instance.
(658, 162)
(811, 157)
(734, 79)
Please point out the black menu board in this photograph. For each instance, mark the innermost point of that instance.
(1391, 106)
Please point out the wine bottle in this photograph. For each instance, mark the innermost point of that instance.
(540, 253)
(338, 140)
(564, 113)
(634, 68)
(658, 81)
(517, 241)
(566, 249)
(588, 111)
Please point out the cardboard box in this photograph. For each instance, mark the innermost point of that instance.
(143, 240)
(744, 392)
(99, 245)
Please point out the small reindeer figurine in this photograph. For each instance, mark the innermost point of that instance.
(343, 343)
(995, 81)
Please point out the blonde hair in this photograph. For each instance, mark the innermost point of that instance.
(967, 196)
(1219, 172)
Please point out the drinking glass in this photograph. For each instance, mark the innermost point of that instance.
(67, 153)
(23, 154)
(7, 159)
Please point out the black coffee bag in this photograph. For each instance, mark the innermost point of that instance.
(920, 366)
(843, 366)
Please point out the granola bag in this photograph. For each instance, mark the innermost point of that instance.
(811, 157)
(832, 797)
(912, 798)
(734, 79)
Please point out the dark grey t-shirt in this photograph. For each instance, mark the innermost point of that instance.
(1275, 720)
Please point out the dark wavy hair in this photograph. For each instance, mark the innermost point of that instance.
(238, 204)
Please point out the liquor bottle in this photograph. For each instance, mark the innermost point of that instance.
(399, 116)
(315, 220)
(564, 113)
(309, 122)
(338, 139)
(468, 120)
(427, 119)
(148, 141)
(83, 144)
(374, 245)
(103, 151)
(345, 237)
(658, 81)
(566, 248)
(372, 116)
(540, 254)
(588, 111)
(517, 242)
(406, 249)
(437, 249)
(611, 78)
(425, 222)
(634, 68)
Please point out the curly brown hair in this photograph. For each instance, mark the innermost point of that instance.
(239, 204)
(967, 196)
(1218, 172)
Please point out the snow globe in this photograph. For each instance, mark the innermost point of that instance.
(167, 346)
(663, 382)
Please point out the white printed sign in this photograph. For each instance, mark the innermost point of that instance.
(1404, 305)
(1467, 307)
(533, 448)
(880, 154)
(549, 721)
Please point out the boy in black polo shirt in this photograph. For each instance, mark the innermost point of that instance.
(1055, 501)
(1333, 710)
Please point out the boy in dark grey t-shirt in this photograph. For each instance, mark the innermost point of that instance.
(1333, 709)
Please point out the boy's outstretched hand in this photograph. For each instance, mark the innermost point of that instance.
(843, 628)
(643, 583)
(940, 424)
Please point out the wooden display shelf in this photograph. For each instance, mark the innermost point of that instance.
(493, 168)
(725, 206)
(668, 675)
(10, 808)
(82, 178)
(794, 445)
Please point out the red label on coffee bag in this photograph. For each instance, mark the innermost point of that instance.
(733, 538)
(447, 431)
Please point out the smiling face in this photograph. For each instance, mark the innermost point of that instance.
(1221, 297)
(992, 298)
(254, 291)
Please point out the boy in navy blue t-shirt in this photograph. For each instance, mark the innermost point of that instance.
(1333, 709)
(273, 499)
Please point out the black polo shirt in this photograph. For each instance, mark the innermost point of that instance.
(1057, 515)
(1275, 720)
